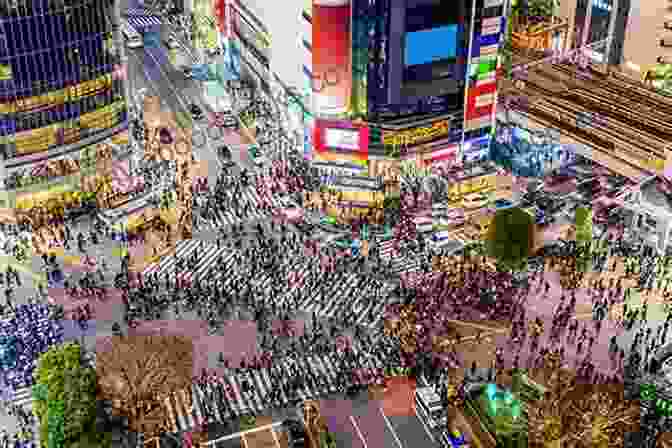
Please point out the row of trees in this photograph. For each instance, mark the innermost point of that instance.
(65, 400)
(133, 375)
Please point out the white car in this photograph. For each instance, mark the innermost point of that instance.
(171, 43)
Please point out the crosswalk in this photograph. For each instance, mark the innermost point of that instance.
(400, 263)
(209, 255)
(222, 218)
(346, 299)
(253, 391)
(23, 397)
(141, 21)
(137, 12)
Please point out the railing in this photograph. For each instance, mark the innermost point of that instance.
(212, 443)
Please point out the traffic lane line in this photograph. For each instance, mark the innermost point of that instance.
(375, 430)
(337, 414)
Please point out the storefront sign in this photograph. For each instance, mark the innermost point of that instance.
(341, 135)
(357, 182)
(417, 135)
(474, 185)
(341, 138)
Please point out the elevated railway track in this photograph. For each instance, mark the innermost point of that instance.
(632, 125)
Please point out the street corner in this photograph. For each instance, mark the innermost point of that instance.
(397, 397)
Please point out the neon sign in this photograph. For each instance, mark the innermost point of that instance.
(417, 135)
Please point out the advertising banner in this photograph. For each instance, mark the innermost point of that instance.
(418, 135)
(360, 57)
(341, 137)
(332, 76)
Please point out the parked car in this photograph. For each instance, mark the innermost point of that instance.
(165, 136)
(503, 203)
(171, 43)
(186, 71)
(196, 112)
(296, 433)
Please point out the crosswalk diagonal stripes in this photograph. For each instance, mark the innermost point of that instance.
(223, 217)
(200, 404)
(170, 410)
(250, 392)
(184, 247)
(23, 396)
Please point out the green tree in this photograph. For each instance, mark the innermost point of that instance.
(584, 225)
(510, 238)
(65, 398)
(584, 237)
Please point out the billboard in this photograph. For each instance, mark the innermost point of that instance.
(344, 140)
(331, 73)
(416, 56)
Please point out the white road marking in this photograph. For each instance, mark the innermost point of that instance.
(359, 433)
(424, 425)
(389, 425)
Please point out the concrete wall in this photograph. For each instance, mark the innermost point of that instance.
(645, 28)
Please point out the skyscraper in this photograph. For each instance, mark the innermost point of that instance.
(61, 81)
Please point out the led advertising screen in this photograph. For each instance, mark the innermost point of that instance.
(341, 139)
(432, 45)
(331, 73)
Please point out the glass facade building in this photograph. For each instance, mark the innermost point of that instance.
(60, 75)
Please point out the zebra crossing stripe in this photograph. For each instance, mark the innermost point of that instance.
(204, 264)
(262, 388)
(183, 247)
(23, 396)
(187, 405)
(199, 404)
(171, 413)
(249, 395)
(237, 396)
(179, 412)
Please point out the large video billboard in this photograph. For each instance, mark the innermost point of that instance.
(331, 74)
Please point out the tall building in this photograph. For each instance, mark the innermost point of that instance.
(61, 86)
(419, 73)
(595, 24)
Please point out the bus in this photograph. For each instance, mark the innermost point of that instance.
(133, 38)
(429, 408)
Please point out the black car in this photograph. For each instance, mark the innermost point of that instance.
(304, 228)
(165, 136)
(296, 432)
(225, 156)
(196, 112)
(224, 152)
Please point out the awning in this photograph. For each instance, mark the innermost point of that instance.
(143, 21)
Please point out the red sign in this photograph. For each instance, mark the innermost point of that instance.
(341, 136)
